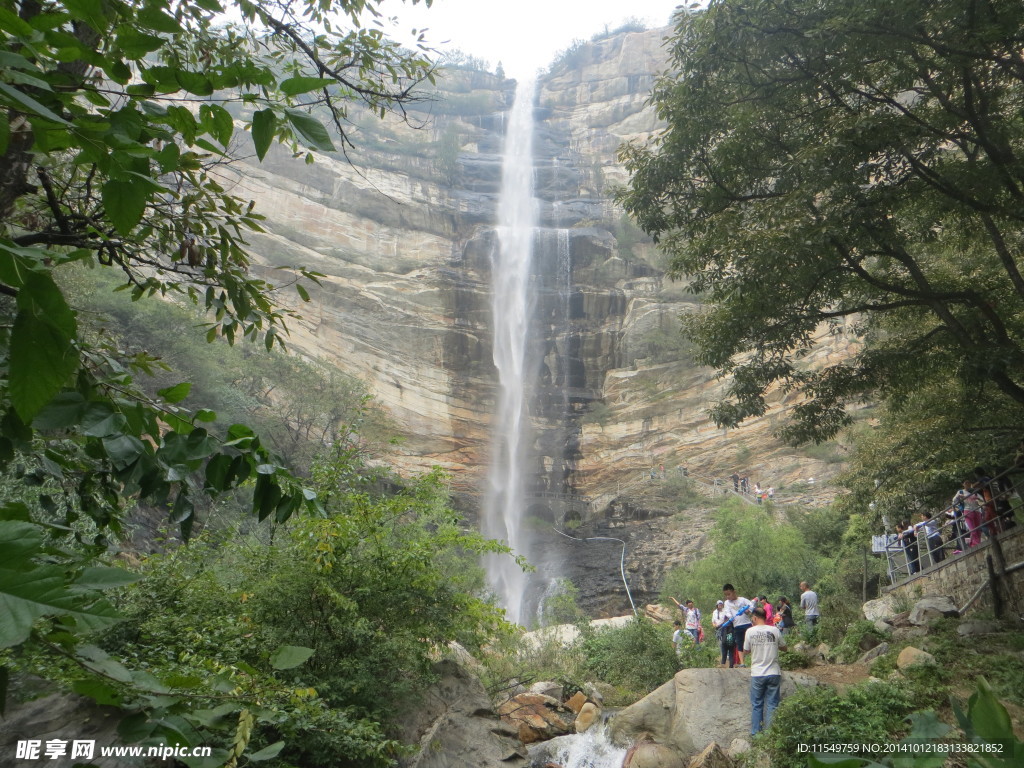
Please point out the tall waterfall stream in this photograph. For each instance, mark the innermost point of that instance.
(511, 311)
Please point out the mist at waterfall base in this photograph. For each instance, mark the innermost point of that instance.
(590, 749)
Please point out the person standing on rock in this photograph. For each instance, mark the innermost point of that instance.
(784, 614)
(718, 619)
(763, 642)
(809, 605)
(737, 612)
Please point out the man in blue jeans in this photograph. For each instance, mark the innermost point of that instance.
(763, 642)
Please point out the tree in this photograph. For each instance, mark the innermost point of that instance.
(853, 166)
(119, 120)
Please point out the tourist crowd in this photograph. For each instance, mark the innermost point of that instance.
(750, 627)
(981, 507)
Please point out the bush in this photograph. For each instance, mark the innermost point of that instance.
(848, 650)
(869, 712)
(637, 657)
(511, 660)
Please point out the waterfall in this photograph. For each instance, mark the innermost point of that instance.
(591, 749)
(505, 500)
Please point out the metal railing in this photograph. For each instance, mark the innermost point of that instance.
(930, 544)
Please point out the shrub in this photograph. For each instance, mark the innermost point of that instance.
(870, 712)
(637, 657)
(848, 650)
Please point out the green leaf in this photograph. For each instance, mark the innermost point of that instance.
(194, 82)
(99, 660)
(218, 122)
(290, 656)
(102, 577)
(20, 541)
(123, 449)
(205, 415)
(101, 420)
(264, 127)
(154, 17)
(29, 104)
(27, 595)
(100, 692)
(311, 129)
(294, 86)
(89, 11)
(177, 393)
(135, 44)
(64, 410)
(267, 753)
(927, 726)
(125, 202)
(43, 355)
(989, 717)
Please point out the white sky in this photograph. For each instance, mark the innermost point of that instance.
(524, 35)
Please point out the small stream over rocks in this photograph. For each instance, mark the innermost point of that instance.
(591, 749)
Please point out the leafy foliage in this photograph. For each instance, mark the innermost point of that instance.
(783, 559)
(986, 722)
(636, 657)
(853, 169)
(316, 635)
(121, 123)
(865, 713)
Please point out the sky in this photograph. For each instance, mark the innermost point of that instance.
(524, 35)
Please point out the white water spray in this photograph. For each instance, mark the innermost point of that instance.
(511, 311)
(591, 749)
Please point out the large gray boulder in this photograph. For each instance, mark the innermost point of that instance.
(695, 708)
(454, 726)
(882, 608)
(927, 609)
(65, 717)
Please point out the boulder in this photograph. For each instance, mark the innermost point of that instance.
(903, 634)
(455, 726)
(884, 627)
(927, 609)
(901, 620)
(911, 657)
(868, 641)
(576, 701)
(588, 715)
(879, 650)
(649, 754)
(63, 717)
(712, 756)
(547, 688)
(597, 692)
(695, 708)
(536, 717)
(660, 613)
(977, 628)
(882, 608)
(738, 747)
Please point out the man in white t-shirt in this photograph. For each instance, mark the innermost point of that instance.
(764, 643)
(809, 604)
(737, 611)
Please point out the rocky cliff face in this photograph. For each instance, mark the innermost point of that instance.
(404, 235)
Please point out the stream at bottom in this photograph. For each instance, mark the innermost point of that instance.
(592, 749)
